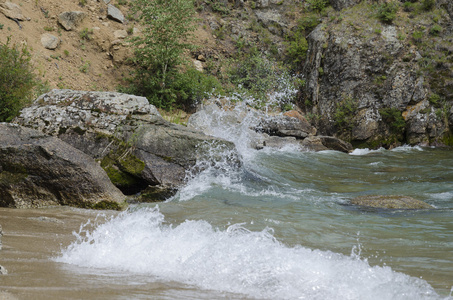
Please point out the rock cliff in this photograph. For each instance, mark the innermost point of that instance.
(381, 84)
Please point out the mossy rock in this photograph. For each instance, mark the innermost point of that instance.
(390, 202)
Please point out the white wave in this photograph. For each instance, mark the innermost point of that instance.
(407, 148)
(365, 151)
(234, 260)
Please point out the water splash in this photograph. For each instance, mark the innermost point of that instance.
(235, 260)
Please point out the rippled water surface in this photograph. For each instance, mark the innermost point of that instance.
(278, 227)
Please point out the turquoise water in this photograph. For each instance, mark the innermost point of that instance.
(280, 227)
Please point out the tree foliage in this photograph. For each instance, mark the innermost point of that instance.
(168, 25)
(16, 80)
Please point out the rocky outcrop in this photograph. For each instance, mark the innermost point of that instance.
(38, 170)
(368, 86)
(126, 134)
(390, 202)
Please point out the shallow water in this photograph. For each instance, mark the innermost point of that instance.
(279, 227)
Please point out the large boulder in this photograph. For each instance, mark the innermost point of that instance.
(126, 134)
(285, 125)
(390, 202)
(38, 170)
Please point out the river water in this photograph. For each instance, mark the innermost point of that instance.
(278, 227)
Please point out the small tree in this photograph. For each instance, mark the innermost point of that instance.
(168, 24)
(16, 80)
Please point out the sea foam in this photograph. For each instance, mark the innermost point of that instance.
(235, 260)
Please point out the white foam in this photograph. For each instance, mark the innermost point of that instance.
(365, 151)
(234, 260)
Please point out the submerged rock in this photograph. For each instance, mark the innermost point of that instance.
(3, 271)
(39, 170)
(390, 202)
(127, 135)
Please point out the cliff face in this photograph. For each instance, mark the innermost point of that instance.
(379, 84)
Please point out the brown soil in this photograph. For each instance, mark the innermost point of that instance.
(96, 64)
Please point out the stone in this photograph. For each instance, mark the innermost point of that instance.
(115, 14)
(12, 11)
(106, 1)
(390, 202)
(39, 170)
(3, 271)
(133, 143)
(49, 41)
(321, 143)
(286, 126)
(120, 34)
(71, 19)
(198, 65)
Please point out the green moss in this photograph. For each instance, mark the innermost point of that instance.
(447, 139)
(132, 165)
(9, 178)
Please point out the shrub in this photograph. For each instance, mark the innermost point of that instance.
(296, 48)
(85, 34)
(435, 30)
(158, 52)
(317, 5)
(387, 12)
(344, 114)
(428, 4)
(394, 118)
(16, 80)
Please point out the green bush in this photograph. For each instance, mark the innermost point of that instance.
(387, 12)
(394, 118)
(16, 80)
(344, 114)
(183, 89)
(168, 25)
(296, 49)
(317, 5)
(256, 75)
(435, 30)
(428, 4)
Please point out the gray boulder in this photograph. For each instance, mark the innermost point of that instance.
(39, 170)
(115, 14)
(321, 143)
(12, 11)
(286, 126)
(71, 19)
(390, 202)
(49, 41)
(126, 134)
